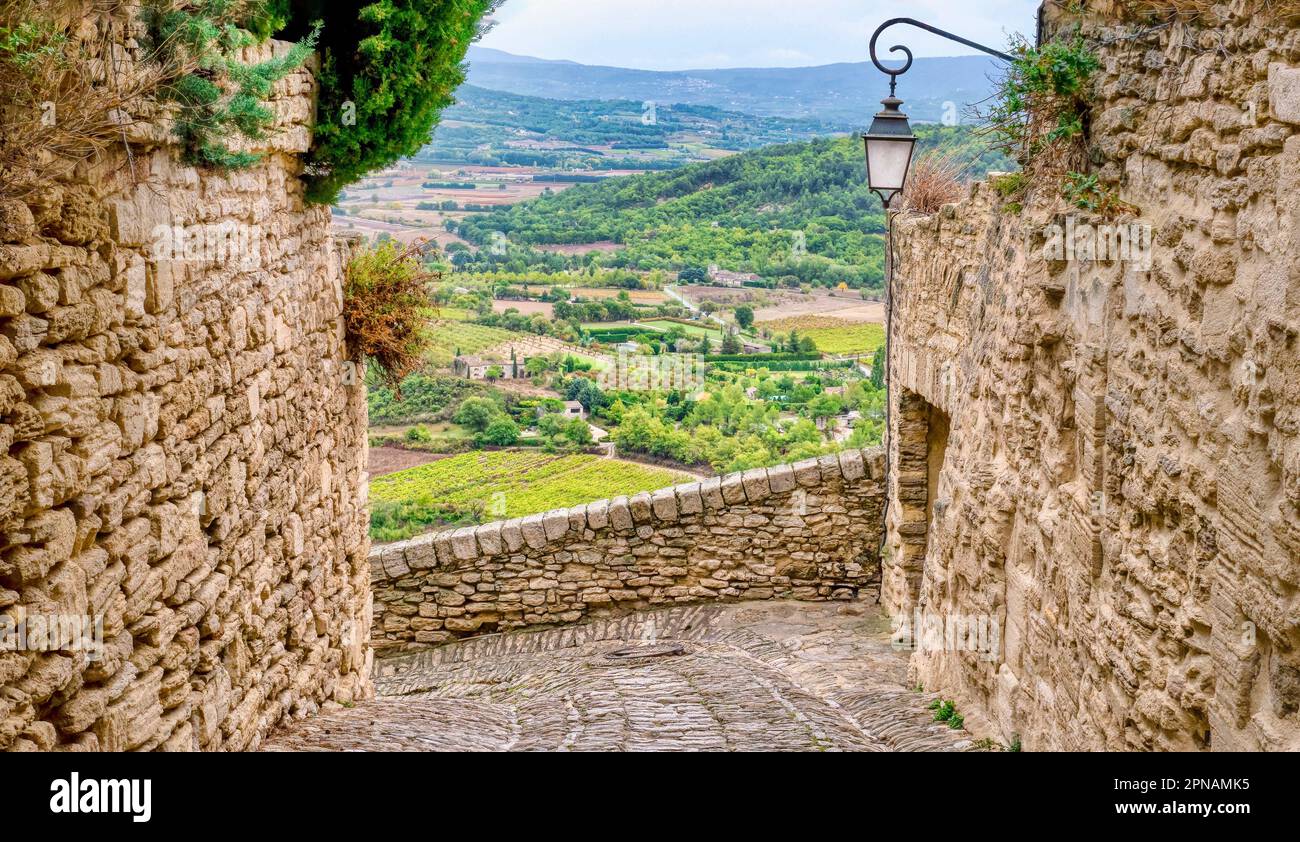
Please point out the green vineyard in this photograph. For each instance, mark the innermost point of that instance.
(492, 485)
(448, 337)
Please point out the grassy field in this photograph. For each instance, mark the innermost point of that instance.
(483, 486)
(690, 329)
(833, 336)
(450, 336)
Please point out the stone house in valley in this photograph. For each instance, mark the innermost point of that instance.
(476, 368)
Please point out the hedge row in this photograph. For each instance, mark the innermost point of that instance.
(763, 358)
(788, 365)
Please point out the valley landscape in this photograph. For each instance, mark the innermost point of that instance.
(584, 246)
(357, 398)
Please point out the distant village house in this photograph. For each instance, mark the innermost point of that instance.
(723, 277)
(572, 409)
(477, 368)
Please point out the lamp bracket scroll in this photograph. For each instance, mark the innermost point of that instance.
(894, 73)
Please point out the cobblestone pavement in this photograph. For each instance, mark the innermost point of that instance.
(776, 676)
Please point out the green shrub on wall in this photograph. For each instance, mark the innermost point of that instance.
(216, 95)
(389, 68)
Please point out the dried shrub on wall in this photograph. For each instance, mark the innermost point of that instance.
(937, 178)
(63, 98)
(387, 303)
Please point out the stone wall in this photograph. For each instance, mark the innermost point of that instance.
(1117, 480)
(180, 459)
(807, 531)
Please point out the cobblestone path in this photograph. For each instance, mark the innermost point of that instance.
(776, 676)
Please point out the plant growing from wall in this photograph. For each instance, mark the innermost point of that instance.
(389, 68)
(217, 95)
(946, 711)
(1040, 115)
(60, 103)
(937, 178)
(1086, 192)
(386, 298)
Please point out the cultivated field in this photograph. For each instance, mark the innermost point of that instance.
(528, 345)
(528, 308)
(713, 333)
(638, 296)
(449, 336)
(491, 485)
(848, 306)
(387, 202)
(833, 336)
(773, 304)
(390, 460)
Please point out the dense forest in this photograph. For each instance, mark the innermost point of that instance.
(798, 210)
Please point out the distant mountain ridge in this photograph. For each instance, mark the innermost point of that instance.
(846, 93)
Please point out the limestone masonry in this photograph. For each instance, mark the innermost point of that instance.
(809, 531)
(1099, 453)
(179, 454)
(1105, 455)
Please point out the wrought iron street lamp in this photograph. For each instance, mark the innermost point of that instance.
(889, 142)
(889, 145)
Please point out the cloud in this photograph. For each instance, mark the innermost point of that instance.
(693, 34)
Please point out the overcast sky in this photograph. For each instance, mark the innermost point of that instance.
(701, 34)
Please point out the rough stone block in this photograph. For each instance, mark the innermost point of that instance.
(1284, 92)
(556, 524)
(711, 493)
(639, 504)
(489, 539)
(534, 531)
(756, 485)
(442, 545)
(598, 514)
(664, 504)
(620, 513)
(874, 460)
(420, 554)
(689, 501)
(733, 489)
(852, 466)
(781, 479)
(807, 473)
(513, 535)
(463, 544)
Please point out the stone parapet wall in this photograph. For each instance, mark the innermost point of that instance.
(810, 530)
(1104, 456)
(180, 460)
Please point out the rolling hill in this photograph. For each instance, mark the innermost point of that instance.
(497, 128)
(799, 210)
(844, 93)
